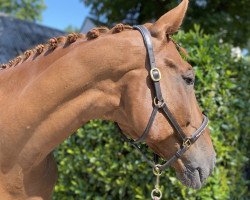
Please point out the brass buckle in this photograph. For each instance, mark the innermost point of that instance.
(153, 77)
(187, 143)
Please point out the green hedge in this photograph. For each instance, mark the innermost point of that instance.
(95, 164)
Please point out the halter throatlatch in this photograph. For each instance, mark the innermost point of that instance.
(160, 104)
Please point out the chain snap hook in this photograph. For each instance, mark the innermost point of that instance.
(156, 193)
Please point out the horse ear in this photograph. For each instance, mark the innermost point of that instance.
(170, 22)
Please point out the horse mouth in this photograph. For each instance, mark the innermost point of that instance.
(194, 177)
(191, 178)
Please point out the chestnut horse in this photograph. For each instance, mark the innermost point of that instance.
(50, 91)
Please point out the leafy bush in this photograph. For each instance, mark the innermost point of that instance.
(95, 164)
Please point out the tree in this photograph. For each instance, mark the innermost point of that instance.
(229, 19)
(25, 9)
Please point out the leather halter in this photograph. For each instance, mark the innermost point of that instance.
(160, 104)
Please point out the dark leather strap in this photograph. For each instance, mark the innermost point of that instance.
(149, 46)
(185, 147)
(148, 127)
(160, 104)
(173, 122)
(150, 51)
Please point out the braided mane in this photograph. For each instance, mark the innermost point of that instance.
(53, 43)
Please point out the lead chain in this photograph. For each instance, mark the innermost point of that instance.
(156, 193)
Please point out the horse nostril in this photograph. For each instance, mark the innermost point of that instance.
(187, 123)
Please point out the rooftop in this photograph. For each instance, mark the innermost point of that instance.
(16, 36)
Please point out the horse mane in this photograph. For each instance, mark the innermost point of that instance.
(54, 42)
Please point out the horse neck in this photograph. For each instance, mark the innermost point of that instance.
(54, 94)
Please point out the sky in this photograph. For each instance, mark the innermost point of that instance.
(62, 13)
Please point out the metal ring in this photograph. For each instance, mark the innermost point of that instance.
(158, 103)
(155, 192)
(157, 170)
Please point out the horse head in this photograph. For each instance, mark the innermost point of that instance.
(177, 79)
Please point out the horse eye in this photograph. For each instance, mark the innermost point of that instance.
(188, 80)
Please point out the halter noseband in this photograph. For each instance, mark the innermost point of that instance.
(160, 104)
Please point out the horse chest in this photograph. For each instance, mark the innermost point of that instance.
(35, 184)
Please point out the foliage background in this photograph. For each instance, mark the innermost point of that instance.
(95, 164)
(230, 19)
(23, 9)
